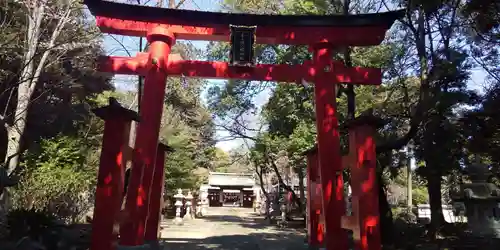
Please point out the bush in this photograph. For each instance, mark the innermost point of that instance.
(31, 223)
(37, 229)
(402, 214)
(57, 178)
(420, 196)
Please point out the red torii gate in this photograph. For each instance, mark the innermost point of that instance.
(163, 27)
(361, 161)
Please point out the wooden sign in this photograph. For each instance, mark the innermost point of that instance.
(242, 41)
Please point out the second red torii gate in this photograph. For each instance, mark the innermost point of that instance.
(163, 26)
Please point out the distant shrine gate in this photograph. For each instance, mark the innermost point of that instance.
(229, 189)
(163, 27)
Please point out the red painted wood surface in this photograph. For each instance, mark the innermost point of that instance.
(329, 157)
(132, 232)
(109, 188)
(156, 197)
(314, 204)
(309, 209)
(341, 36)
(366, 218)
(261, 72)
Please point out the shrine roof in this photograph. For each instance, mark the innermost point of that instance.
(230, 179)
(206, 19)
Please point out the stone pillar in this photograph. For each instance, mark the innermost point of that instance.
(257, 199)
(204, 203)
(283, 209)
(178, 205)
(241, 199)
(189, 205)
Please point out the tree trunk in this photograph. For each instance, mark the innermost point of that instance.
(16, 131)
(434, 191)
(25, 89)
(259, 171)
(29, 77)
(300, 174)
(268, 210)
(386, 223)
(286, 187)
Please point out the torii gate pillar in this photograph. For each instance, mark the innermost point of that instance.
(161, 42)
(315, 215)
(362, 161)
(156, 196)
(330, 160)
(109, 190)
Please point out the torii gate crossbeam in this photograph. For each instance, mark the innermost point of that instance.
(261, 72)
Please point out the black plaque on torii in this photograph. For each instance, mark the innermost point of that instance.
(242, 39)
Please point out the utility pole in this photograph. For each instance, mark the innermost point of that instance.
(409, 164)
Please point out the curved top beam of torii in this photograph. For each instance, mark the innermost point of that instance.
(205, 18)
(350, 30)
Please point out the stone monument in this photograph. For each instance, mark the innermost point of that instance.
(283, 209)
(189, 205)
(204, 203)
(178, 205)
(482, 202)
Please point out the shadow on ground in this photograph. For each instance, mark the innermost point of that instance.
(252, 223)
(253, 241)
(256, 222)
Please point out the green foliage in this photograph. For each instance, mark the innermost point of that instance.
(302, 139)
(317, 7)
(180, 171)
(57, 178)
(484, 13)
(221, 160)
(61, 101)
(402, 215)
(187, 127)
(420, 196)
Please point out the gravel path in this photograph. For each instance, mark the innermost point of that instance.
(229, 228)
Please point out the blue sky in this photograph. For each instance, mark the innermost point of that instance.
(122, 46)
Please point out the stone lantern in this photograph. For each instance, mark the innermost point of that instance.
(178, 205)
(189, 204)
(204, 203)
(482, 202)
(283, 209)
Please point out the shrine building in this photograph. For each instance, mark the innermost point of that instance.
(230, 189)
